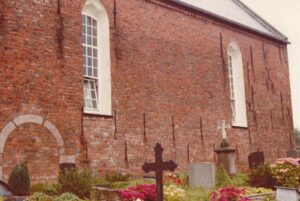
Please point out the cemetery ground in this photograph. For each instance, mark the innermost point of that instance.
(258, 183)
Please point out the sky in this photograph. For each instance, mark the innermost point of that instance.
(284, 15)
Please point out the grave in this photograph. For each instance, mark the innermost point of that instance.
(226, 154)
(158, 167)
(287, 194)
(255, 159)
(293, 153)
(202, 175)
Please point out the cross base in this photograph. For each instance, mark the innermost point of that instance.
(224, 143)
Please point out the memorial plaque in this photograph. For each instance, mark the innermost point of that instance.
(255, 159)
(202, 175)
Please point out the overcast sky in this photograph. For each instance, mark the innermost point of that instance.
(285, 16)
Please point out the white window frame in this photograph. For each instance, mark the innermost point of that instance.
(237, 86)
(96, 10)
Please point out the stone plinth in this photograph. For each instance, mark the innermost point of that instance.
(104, 194)
(226, 157)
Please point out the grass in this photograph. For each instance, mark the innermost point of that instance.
(197, 194)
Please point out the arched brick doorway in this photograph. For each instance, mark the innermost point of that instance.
(35, 139)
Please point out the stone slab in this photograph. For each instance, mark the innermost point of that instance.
(202, 175)
(287, 194)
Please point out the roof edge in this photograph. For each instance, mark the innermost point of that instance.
(282, 39)
(261, 20)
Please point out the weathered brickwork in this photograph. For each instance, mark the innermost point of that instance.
(169, 85)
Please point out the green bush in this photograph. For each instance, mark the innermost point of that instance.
(116, 177)
(240, 180)
(67, 197)
(49, 189)
(77, 182)
(261, 176)
(39, 197)
(286, 172)
(222, 178)
(19, 180)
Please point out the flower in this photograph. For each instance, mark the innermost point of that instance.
(229, 193)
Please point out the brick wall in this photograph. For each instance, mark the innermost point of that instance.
(169, 84)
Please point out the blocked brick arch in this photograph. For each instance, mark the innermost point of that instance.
(56, 142)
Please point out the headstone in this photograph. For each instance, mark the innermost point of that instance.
(158, 167)
(66, 166)
(202, 175)
(255, 159)
(293, 153)
(287, 194)
(4, 189)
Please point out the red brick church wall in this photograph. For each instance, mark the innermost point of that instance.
(166, 64)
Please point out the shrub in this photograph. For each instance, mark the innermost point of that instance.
(253, 191)
(261, 176)
(197, 194)
(229, 193)
(222, 178)
(39, 197)
(67, 197)
(146, 192)
(48, 189)
(172, 178)
(75, 181)
(240, 179)
(174, 193)
(19, 180)
(116, 177)
(286, 172)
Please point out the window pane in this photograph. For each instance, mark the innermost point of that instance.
(92, 85)
(95, 52)
(95, 32)
(89, 40)
(83, 39)
(89, 30)
(89, 61)
(89, 104)
(93, 95)
(89, 19)
(94, 23)
(95, 41)
(90, 71)
(94, 104)
(95, 72)
(95, 63)
(89, 50)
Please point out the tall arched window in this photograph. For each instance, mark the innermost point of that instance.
(237, 86)
(96, 58)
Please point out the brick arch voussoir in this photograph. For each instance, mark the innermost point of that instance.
(31, 118)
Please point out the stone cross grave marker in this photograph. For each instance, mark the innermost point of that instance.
(223, 127)
(158, 167)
